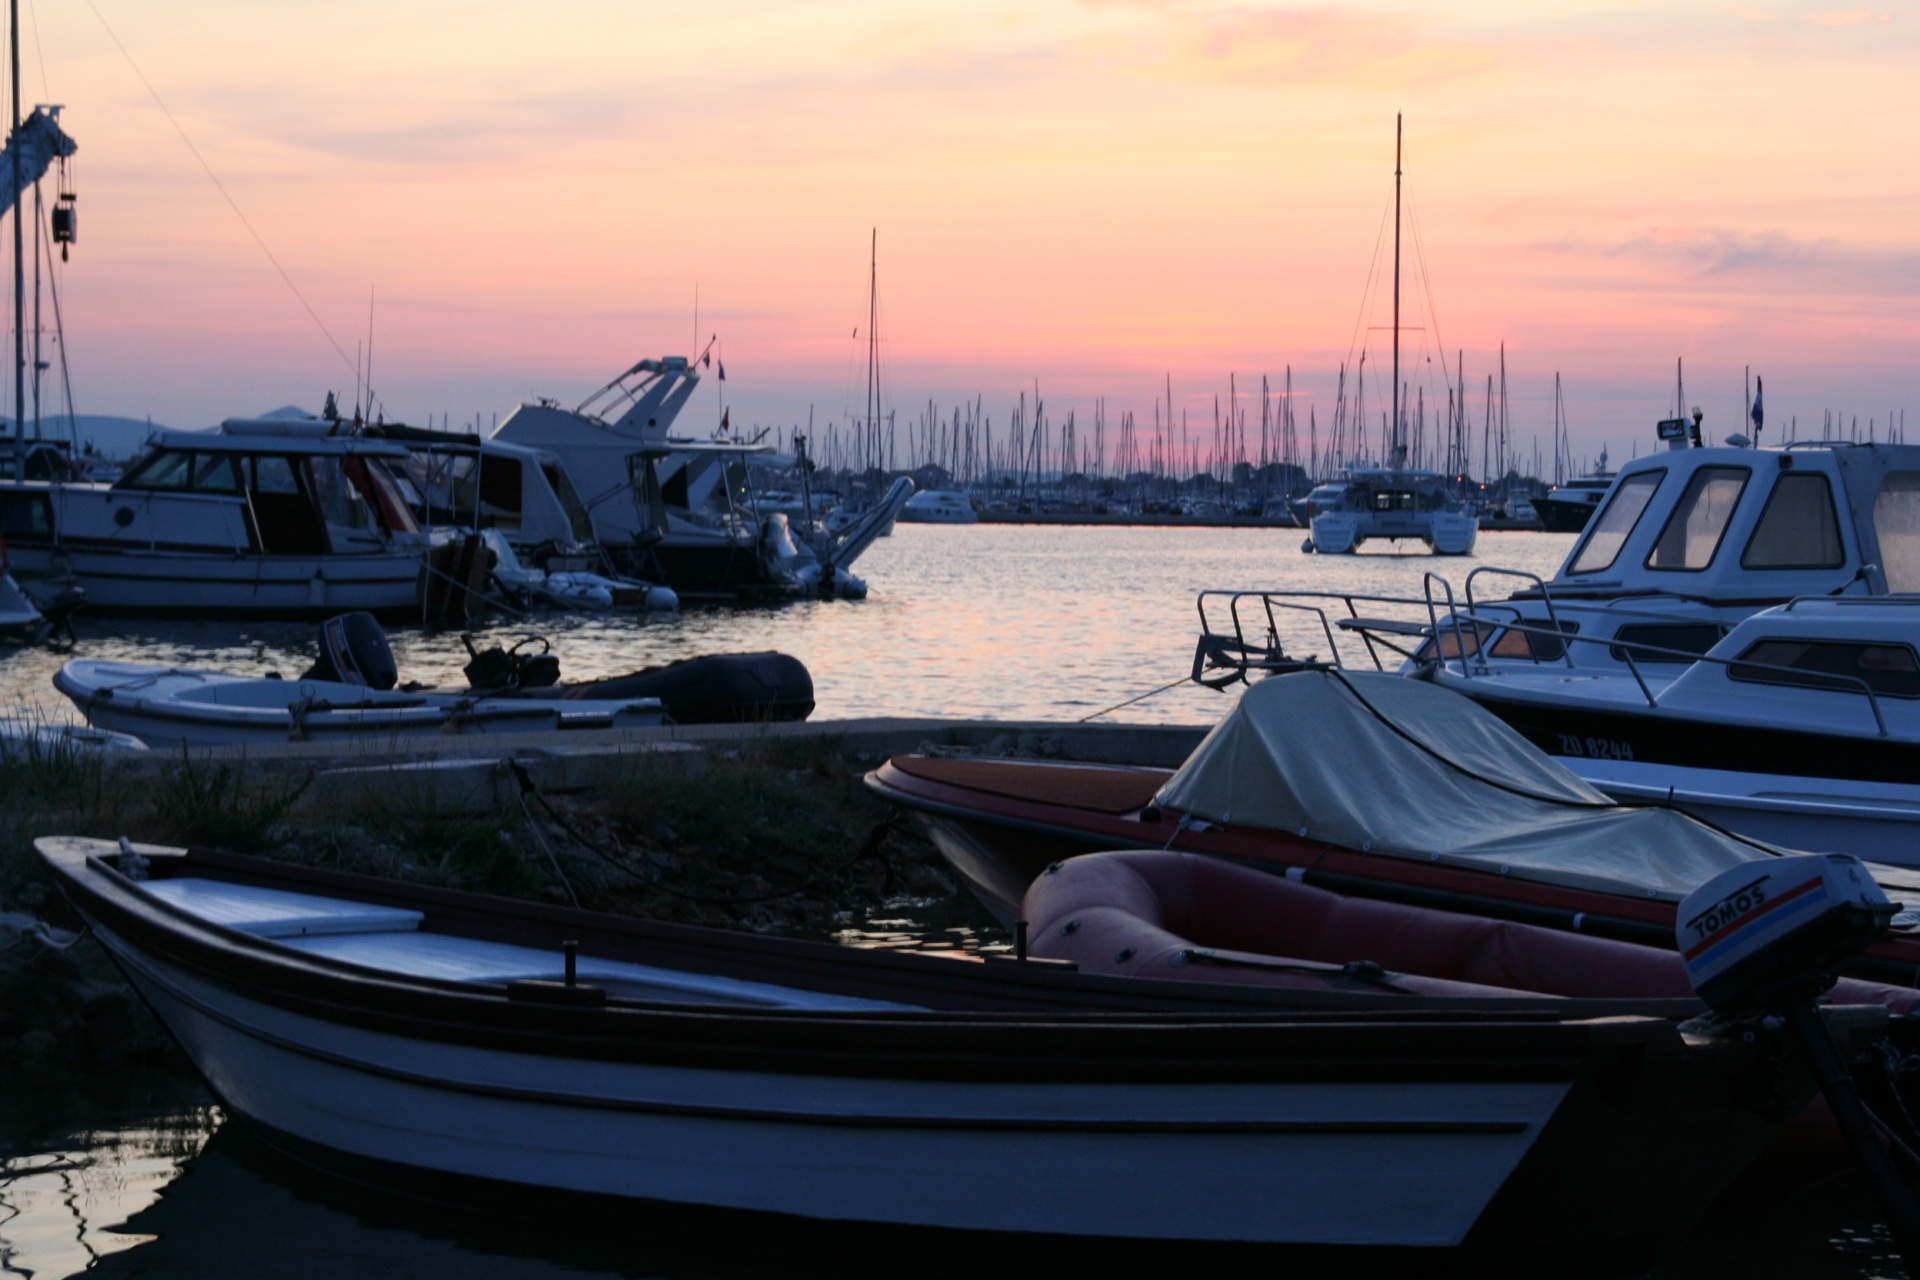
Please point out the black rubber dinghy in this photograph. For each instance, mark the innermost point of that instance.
(719, 688)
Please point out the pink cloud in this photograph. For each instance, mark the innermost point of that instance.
(1298, 48)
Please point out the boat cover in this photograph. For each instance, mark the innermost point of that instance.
(1394, 766)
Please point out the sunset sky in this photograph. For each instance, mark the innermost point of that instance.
(1096, 196)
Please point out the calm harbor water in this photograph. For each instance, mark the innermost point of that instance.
(137, 1173)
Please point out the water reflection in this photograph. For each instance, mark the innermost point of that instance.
(996, 621)
(79, 1157)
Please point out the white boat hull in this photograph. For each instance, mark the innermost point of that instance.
(1874, 821)
(173, 707)
(1320, 1163)
(137, 580)
(1446, 533)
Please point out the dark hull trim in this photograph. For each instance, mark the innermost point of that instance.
(1341, 1038)
(1575, 732)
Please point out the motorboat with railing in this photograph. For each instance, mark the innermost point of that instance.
(266, 517)
(1799, 726)
(682, 511)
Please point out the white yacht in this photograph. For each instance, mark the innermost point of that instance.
(939, 506)
(1392, 504)
(680, 510)
(267, 517)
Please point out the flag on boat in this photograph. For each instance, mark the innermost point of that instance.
(706, 359)
(723, 371)
(726, 418)
(1759, 415)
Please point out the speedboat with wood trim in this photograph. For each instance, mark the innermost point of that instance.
(265, 518)
(351, 694)
(423, 1033)
(1401, 791)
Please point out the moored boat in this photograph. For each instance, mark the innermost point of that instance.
(441, 1034)
(351, 694)
(1367, 784)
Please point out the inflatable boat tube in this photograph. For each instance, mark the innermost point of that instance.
(717, 689)
(1184, 916)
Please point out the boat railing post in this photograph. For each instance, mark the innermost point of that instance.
(1637, 677)
(1453, 619)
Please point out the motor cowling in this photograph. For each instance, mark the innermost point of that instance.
(1778, 928)
(354, 650)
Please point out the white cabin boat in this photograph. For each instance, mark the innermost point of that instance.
(939, 506)
(680, 511)
(267, 517)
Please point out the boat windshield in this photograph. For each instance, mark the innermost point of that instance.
(1896, 524)
(1615, 523)
(1699, 520)
(1797, 529)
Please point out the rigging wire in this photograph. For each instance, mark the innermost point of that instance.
(224, 193)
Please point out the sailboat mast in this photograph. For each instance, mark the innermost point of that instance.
(19, 265)
(873, 340)
(1395, 398)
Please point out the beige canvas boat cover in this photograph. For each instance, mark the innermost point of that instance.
(1399, 767)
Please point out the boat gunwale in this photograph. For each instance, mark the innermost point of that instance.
(1334, 1036)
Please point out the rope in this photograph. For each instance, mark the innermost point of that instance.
(1130, 701)
(529, 788)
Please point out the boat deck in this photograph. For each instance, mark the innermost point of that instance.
(391, 940)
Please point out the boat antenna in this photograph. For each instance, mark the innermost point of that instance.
(1394, 444)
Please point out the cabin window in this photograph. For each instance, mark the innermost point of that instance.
(1615, 523)
(1451, 641)
(215, 473)
(1699, 521)
(577, 517)
(26, 517)
(340, 502)
(1688, 637)
(1832, 664)
(500, 492)
(167, 469)
(1798, 528)
(1531, 644)
(274, 475)
(1393, 500)
(1896, 524)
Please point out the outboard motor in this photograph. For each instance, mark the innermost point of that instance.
(1765, 940)
(354, 650)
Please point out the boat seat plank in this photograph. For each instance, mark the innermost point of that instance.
(278, 913)
(457, 959)
(1099, 789)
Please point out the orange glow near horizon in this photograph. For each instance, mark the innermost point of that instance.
(1092, 195)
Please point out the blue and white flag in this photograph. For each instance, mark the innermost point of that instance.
(1759, 414)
